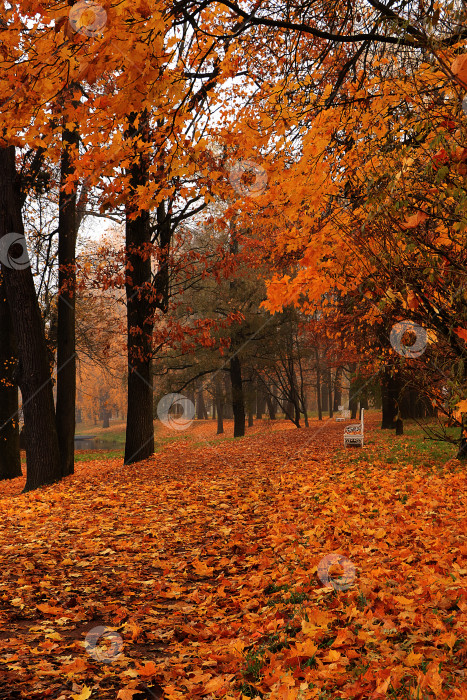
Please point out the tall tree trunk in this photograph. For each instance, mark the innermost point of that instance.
(238, 403)
(353, 392)
(34, 379)
(324, 392)
(318, 386)
(10, 459)
(271, 404)
(260, 399)
(389, 392)
(201, 412)
(329, 386)
(66, 343)
(219, 405)
(139, 441)
(338, 389)
(228, 411)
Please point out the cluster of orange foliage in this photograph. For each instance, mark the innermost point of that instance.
(204, 561)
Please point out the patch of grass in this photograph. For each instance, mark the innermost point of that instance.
(92, 455)
(274, 588)
(249, 691)
(412, 448)
(253, 665)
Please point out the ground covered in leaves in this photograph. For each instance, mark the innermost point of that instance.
(204, 569)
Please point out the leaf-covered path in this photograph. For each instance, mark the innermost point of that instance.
(204, 561)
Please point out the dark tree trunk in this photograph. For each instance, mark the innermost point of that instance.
(34, 379)
(201, 412)
(353, 404)
(251, 421)
(66, 350)
(329, 385)
(139, 441)
(238, 403)
(271, 404)
(389, 395)
(337, 389)
(399, 426)
(260, 400)
(228, 412)
(106, 418)
(10, 458)
(318, 387)
(353, 393)
(219, 405)
(324, 395)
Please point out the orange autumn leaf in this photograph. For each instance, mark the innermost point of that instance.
(50, 609)
(415, 220)
(76, 666)
(202, 569)
(459, 67)
(149, 669)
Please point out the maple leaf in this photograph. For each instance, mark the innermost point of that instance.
(202, 569)
(461, 332)
(415, 220)
(149, 669)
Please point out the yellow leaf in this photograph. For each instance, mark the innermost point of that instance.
(238, 646)
(84, 695)
(413, 659)
(403, 601)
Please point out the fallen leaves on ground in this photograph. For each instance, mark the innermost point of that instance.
(203, 561)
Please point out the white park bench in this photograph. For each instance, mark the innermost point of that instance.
(353, 434)
(343, 414)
